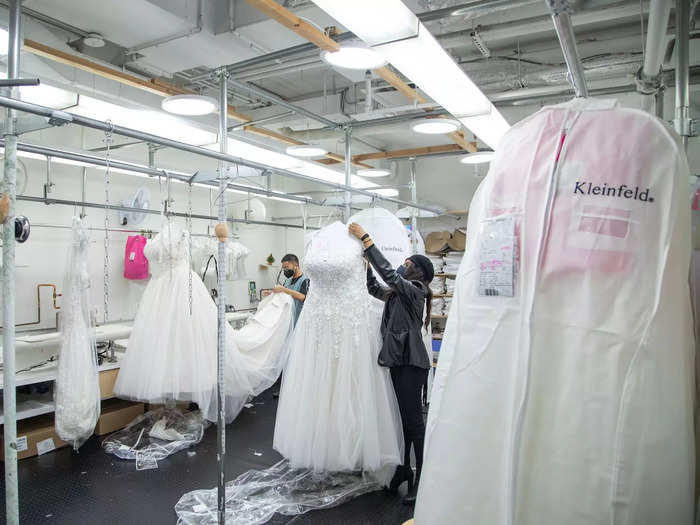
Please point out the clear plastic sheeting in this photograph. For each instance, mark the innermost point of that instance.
(156, 435)
(77, 386)
(256, 496)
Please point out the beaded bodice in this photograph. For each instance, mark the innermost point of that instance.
(338, 297)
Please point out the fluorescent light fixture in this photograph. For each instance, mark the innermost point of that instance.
(373, 172)
(189, 105)
(307, 151)
(387, 25)
(354, 57)
(435, 126)
(480, 157)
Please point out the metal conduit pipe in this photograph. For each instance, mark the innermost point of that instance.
(8, 277)
(682, 120)
(561, 16)
(197, 150)
(152, 172)
(66, 202)
(649, 77)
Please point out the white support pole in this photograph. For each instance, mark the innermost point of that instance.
(347, 199)
(221, 321)
(414, 218)
(682, 121)
(8, 278)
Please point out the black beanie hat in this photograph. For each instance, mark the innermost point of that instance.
(422, 262)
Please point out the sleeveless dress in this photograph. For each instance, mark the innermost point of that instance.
(172, 352)
(337, 410)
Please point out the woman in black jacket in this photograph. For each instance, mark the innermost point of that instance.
(403, 350)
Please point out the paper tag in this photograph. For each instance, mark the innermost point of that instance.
(199, 508)
(21, 443)
(132, 256)
(47, 445)
(496, 257)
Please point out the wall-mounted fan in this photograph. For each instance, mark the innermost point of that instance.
(21, 175)
(255, 210)
(140, 200)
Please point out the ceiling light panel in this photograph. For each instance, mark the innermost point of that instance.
(354, 57)
(420, 57)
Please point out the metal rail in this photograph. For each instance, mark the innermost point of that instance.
(152, 172)
(197, 150)
(114, 207)
(682, 120)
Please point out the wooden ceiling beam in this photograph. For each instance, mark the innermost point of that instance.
(411, 152)
(309, 32)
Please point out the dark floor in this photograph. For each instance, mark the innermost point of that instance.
(94, 488)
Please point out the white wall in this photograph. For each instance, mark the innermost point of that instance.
(43, 258)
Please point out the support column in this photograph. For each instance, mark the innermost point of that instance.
(222, 234)
(414, 218)
(8, 277)
(347, 199)
(682, 121)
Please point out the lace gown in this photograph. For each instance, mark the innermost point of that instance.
(172, 353)
(337, 410)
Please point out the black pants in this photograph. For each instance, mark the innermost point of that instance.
(408, 384)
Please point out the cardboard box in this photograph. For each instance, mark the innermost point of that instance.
(107, 380)
(116, 415)
(34, 436)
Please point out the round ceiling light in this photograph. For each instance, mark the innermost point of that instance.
(94, 40)
(354, 57)
(373, 172)
(480, 157)
(435, 126)
(306, 151)
(189, 105)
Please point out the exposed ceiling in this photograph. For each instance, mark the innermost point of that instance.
(508, 48)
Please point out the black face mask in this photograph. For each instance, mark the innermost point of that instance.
(289, 273)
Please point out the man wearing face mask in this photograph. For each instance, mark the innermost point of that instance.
(296, 284)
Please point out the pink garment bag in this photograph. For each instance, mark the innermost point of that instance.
(135, 262)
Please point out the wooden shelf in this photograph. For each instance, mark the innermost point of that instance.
(438, 316)
(446, 275)
(439, 295)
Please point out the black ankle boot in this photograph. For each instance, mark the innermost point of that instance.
(403, 473)
(410, 498)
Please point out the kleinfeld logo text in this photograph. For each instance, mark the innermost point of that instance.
(622, 191)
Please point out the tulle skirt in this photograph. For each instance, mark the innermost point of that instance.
(337, 409)
(172, 353)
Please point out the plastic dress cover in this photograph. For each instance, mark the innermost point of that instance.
(255, 496)
(337, 410)
(171, 354)
(564, 389)
(77, 387)
(155, 435)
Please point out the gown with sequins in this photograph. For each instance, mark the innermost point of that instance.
(337, 410)
(172, 351)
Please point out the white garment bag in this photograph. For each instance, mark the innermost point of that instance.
(77, 393)
(564, 391)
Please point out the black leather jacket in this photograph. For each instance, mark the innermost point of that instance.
(402, 319)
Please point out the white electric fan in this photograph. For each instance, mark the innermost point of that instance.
(141, 201)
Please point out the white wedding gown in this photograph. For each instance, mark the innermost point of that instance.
(172, 352)
(337, 410)
(77, 387)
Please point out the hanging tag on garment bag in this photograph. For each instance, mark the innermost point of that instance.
(496, 257)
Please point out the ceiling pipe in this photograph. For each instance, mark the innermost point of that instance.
(649, 77)
(682, 121)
